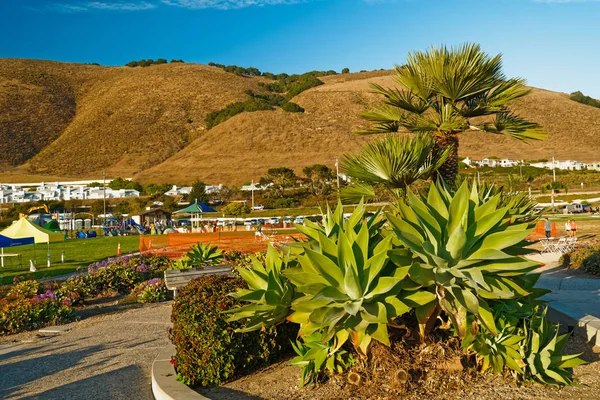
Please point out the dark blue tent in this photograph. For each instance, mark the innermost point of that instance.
(8, 242)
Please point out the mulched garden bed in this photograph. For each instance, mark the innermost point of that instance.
(433, 373)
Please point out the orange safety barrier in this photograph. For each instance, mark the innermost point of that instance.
(540, 231)
(176, 244)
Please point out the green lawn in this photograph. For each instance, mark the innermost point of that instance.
(78, 252)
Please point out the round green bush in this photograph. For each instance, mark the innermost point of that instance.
(292, 107)
(209, 352)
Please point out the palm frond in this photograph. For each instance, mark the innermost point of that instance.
(495, 100)
(357, 191)
(512, 125)
(402, 99)
(395, 161)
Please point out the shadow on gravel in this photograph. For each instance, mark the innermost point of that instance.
(222, 393)
(17, 377)
(94, 310)
(118, 384)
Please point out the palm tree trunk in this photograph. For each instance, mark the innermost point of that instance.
(449, 169)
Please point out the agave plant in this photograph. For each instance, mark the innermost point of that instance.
(541, 349)
(269, 293)
(496, 351)
(316, 355)
(204, 254)
(393, 163)
(182, 263)
(347, 281)
(464, 247)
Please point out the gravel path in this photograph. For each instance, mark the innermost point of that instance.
(104, 357)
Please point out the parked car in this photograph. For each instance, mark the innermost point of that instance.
(250, 222)
(258, 207)
(288, 220)
(261, 221)
(274, 220)
(299, 220)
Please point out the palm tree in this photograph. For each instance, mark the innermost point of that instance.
(391, 164)
(445, 92)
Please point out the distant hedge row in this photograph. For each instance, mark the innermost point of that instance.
(149, 62)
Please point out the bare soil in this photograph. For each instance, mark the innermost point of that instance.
(281, 381)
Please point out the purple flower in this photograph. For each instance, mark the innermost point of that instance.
(155, 282)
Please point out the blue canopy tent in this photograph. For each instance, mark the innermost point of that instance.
(9, 242)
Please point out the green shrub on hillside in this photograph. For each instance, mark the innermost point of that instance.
(583, 99)
(284, 88)
(250, 105)
(209, 352)
(292, 107)
(148, 62)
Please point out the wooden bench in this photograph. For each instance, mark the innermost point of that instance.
(177, 278)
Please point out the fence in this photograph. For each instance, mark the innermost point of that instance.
(176, 244)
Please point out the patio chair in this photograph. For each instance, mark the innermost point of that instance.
(562, 245)
(547, 245)
(571, 243)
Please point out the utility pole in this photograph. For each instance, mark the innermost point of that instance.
(104, 193)
(553, 183)
(521, 170)
(252, 190)
(337, 173)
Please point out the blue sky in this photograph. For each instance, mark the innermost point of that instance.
(552, 43)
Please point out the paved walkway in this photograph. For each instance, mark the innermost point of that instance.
(104, 357)
(575, 298)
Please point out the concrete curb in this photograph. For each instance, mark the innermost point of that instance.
(581, 324)
(165, 385)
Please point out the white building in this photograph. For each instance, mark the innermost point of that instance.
(255, 186)
(179, 191)
(567, 165)
(210, 189)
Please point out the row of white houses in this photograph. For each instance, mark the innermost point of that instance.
(56, 191)
(567, 165)
(185, 190)
(32, 192)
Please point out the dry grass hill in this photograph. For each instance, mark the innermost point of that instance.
(69, 120)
